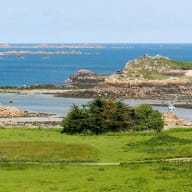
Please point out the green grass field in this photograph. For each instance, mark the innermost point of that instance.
(51, 145)
(21, 146)
(154, 177)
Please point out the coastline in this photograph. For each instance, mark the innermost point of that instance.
(19, 53)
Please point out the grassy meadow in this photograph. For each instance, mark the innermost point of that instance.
(149, 177)
(29, 157)
(50, 145)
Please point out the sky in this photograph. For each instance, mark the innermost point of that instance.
(95, 21)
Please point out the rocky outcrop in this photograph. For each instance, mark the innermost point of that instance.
(10, 112)
(154, 68)
(7, 111)
(170, 119)
(12, 117)
(150, 88)
(149, 63)
(86, 77)
(150, 77)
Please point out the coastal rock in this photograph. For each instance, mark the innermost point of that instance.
(150, 63)
(10, 112)
(86, 77)
(7, 111)
(150, 77)
(170, 119)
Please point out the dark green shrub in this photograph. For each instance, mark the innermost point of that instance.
(104, 115)
(77, 120)
(148, 119)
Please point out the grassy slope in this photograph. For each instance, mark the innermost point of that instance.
(135, 71)
(158, 63)
(103, 148)
(180, 65)
(46, 152)
(136, 177)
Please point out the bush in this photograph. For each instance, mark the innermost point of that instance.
(148, 119)
(104, 115)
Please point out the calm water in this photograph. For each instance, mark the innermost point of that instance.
(60, 106)
(33, 69)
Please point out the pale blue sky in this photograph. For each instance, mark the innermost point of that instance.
(95, 21)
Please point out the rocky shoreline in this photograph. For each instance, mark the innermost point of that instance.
(173, 121)
(12, 117)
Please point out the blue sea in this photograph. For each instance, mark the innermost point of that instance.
(33, 69)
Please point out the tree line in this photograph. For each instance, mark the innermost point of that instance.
(104, 115)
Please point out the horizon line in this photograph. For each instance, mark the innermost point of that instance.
(4, 43)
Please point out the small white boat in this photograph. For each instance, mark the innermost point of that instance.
(171, 108)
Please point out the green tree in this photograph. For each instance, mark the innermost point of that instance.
(148, 119)
(123, 117)
(77, 120)
(155, 121)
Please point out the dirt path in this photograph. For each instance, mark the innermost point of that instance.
(185, 159)
(188, 159)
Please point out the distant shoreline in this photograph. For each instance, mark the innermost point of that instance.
(44, 46)
(21, 53)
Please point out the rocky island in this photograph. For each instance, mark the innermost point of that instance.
(146, 77)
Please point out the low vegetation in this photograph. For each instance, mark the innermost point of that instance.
(156, 68)
(104, 115)
(159, 63)
(152, 75)
(42, 145)
(46, 152)
(180, 65)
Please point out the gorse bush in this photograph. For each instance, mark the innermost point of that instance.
(104, 115)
